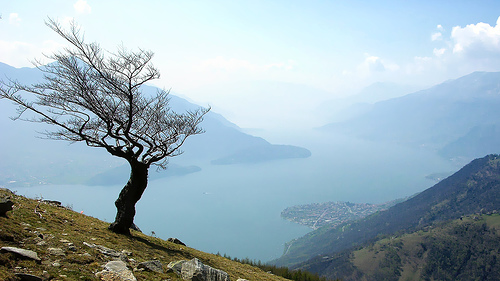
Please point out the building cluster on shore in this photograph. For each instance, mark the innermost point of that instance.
(330, 213)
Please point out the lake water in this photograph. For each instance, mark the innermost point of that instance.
(235, 209)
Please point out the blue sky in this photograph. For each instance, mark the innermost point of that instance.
(266, 64)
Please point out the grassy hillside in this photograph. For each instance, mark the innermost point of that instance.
(41, 226)
(473, 189)
(463, 249)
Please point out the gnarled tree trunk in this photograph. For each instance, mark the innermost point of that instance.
(130, 194)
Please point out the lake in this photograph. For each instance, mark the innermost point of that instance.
(235, 209)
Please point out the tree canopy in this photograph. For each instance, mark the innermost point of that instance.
(95, 96)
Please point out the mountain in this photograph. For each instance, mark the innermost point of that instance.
(455, 113)
(77, 163)
(342, 109)
(462, 249)
(473, 189)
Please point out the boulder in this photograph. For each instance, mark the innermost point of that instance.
(5, 206)
(116, 271)
(195, 270)
(176, 266)
(154, 265)
(176, 241)
(21, 253)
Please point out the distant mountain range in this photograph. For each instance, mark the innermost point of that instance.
(27, 160)
(423, 225)
(458, 118)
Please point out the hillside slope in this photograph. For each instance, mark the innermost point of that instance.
(434, 118)
(61, 237)
(463, 249)
(473, 189)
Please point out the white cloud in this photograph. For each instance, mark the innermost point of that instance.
(14, 53)
(14, 19)
(474, 47)
(439, 52)
(82, 7)
(436, 36)
(477, 40)
(373, 65)
(20, 54)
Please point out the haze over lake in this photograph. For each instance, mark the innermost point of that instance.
(235, 209)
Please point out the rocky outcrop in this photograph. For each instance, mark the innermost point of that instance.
(154, 265)
(109, 252)
(195, 270)
(176, 241)
(21, 253)
(116, 271)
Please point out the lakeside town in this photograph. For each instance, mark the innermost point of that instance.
(317, 215)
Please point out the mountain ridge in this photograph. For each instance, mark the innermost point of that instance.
(222, 139)
(435, 117)
(473, 189)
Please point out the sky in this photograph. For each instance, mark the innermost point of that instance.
(271, 64)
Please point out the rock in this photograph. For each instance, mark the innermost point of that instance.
(5, 206)
(176, 266)
(108, 252)
(241, 279)
(56, 251)
(52, 202)
(41, 243)
(154, 265)
(28, 277)
(116, 271)
(21, 252)
(176, 241)
(196, 271)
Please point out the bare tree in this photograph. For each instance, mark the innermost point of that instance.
(95, 97)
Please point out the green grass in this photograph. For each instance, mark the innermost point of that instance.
(22, 228)
(413, 248)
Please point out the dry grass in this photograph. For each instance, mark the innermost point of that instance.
(23, 228)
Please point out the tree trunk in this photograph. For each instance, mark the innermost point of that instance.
(130, 194)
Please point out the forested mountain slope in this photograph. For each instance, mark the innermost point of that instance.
(473, 189)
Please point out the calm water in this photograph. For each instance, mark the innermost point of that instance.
(236, 209)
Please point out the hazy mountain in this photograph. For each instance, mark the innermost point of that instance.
(435, 117)
(346, 108)
(473, 189)
(27, 160)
